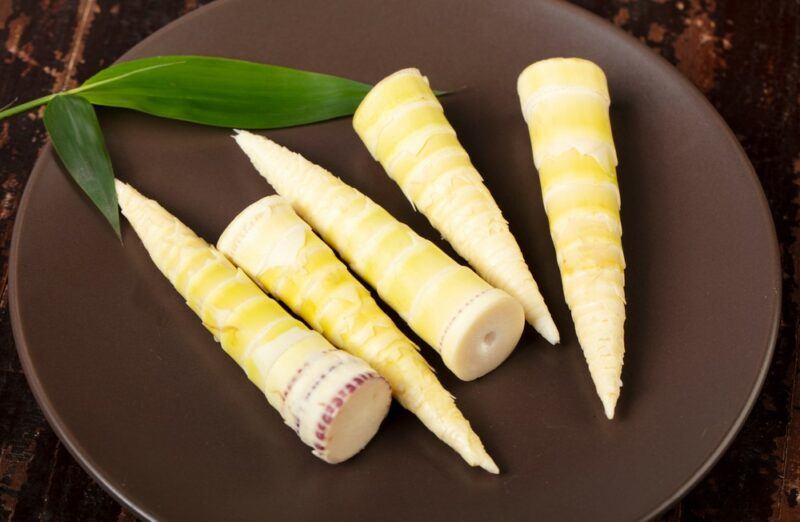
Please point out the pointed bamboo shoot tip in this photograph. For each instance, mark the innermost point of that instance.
(547, 328)
(488, 464)
(609, 404)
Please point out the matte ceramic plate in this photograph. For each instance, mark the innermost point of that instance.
(157, 413)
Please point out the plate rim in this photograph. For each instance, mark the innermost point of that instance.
(94, 469)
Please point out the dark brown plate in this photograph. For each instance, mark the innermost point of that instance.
(157, 413)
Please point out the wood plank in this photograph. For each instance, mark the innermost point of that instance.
(37, 39)
(50, 46)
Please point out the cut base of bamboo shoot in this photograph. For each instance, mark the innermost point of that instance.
(483, 335)
(357, 420)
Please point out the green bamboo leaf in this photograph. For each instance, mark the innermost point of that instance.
(224, 92)
(78, 140)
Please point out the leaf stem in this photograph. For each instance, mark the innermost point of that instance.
(27, 106)
(17, 109)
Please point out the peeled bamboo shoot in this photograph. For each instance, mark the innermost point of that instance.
(334, 401)
(473, 325)
(404, 127)
(565, 103)
(284, 256)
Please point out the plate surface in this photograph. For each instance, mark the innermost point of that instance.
(143, 397)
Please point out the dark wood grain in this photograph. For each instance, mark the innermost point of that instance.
(50, 45)
(743, 54)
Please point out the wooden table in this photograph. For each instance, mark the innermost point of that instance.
(743, 54)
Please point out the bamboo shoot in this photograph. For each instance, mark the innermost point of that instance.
(334, 401)
(282, 254)
(473, 325)
(565, 103)
(404, 127)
